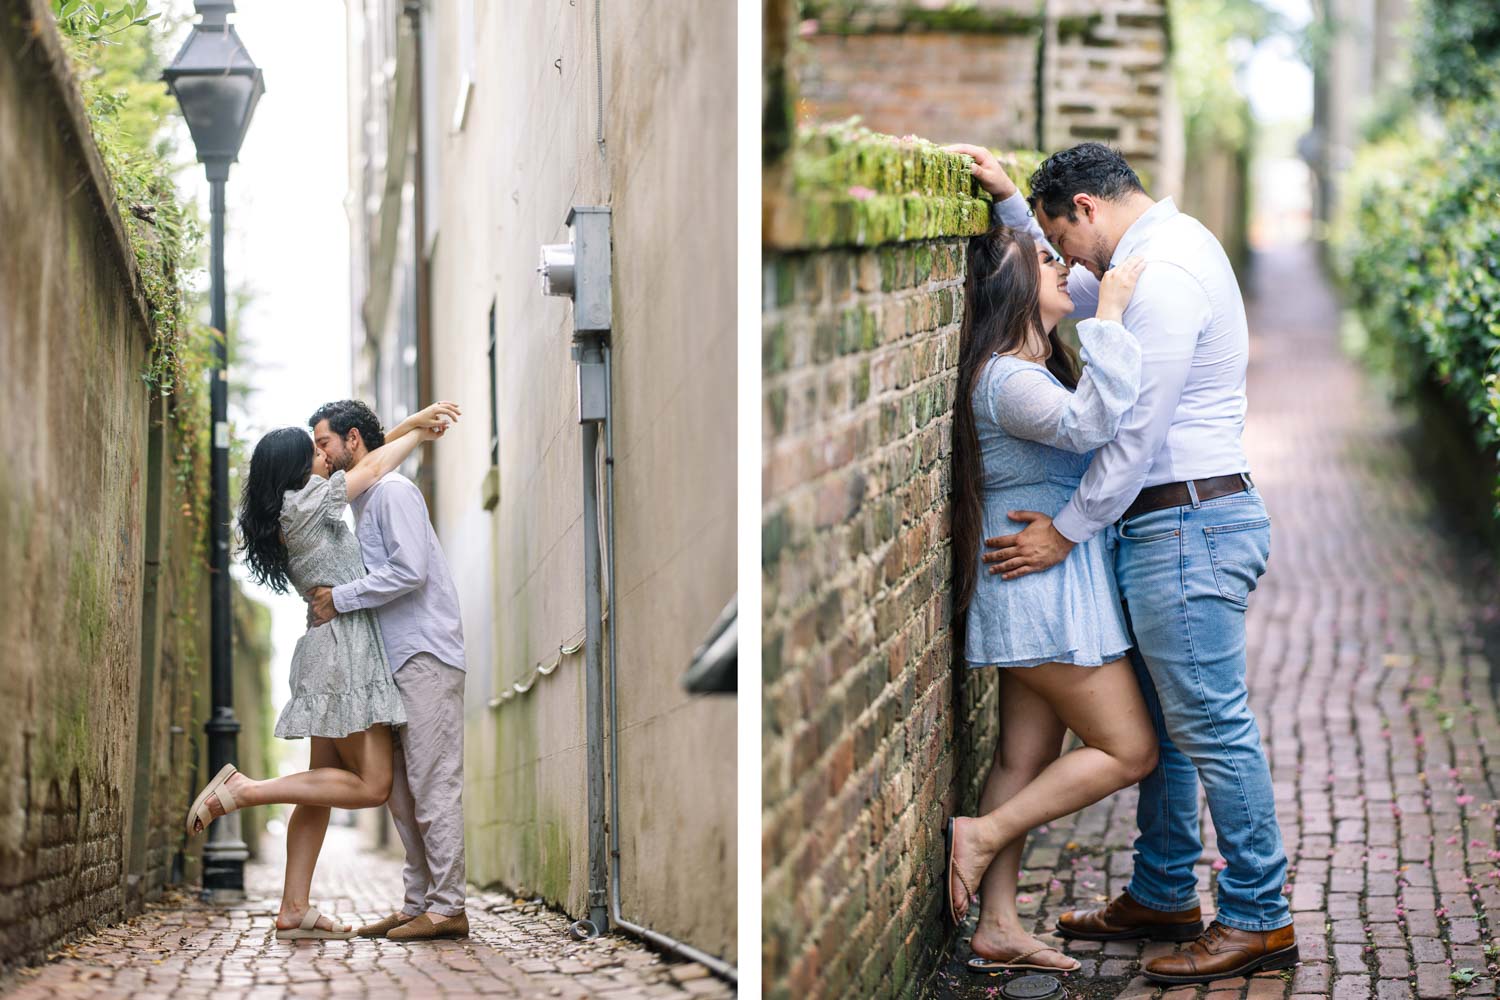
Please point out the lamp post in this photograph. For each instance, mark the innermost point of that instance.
(217, 85)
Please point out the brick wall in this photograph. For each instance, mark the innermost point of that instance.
(1104, 77)
(948, 86)
(1003, 73)
(870, 737)
(103, 658)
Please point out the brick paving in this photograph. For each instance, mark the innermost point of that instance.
(184, 949)
(1369, 675)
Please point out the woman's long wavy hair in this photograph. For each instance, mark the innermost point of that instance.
(282, 461)
(1002, 306)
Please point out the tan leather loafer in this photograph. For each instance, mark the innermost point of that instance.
(423, 929)
(1223, 953)
(381, 928)
(1124, 918)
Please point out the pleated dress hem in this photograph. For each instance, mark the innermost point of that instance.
(343, 714)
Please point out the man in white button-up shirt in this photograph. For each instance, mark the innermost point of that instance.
(1193, 538)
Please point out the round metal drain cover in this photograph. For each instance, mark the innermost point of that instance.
(1033, 988)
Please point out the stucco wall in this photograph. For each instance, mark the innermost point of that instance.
(507, 179)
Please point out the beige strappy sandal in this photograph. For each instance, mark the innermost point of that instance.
(200, 811)
(981, 964)
(309, 930)
(950, 844)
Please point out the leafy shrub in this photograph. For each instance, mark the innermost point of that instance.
(1419, 248)
(1456, 48)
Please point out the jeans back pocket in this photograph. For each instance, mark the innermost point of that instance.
(1238, 553)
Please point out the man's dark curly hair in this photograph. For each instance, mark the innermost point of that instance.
(349, 413)
(1087, 168)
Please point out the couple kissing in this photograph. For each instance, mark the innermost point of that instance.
(1118, 611)
(378, 679)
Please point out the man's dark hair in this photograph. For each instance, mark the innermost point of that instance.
(1088, 168)
(347, 414)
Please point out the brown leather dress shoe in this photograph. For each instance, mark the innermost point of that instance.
(422, 929)
(381, 928)
(1124, 918)
(1224, 952)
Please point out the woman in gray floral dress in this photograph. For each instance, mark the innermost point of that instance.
(343, 696)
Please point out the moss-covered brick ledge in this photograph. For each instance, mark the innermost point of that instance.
(858, 17)
(847, 186)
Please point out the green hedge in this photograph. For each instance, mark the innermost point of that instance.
(1419, 250)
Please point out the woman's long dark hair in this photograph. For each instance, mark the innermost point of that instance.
(282, 461)
(1002, 306)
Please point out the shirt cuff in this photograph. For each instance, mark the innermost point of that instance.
(1074, 526)
(1012, 211)
(345, 599)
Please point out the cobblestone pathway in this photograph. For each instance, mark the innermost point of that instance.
(1372, 688)
(182, 949)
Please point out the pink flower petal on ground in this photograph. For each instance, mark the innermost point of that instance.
(1023, 899)
(860, 193)
(1220, 864)
(1464, 800)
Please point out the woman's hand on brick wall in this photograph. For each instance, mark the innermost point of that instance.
(986, 170)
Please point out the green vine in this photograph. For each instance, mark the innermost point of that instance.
(126, 110)
(115, 60)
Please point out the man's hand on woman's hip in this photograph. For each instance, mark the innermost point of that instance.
(1039, 546)
(320, 609)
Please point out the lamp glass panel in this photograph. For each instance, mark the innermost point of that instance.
(215, 108)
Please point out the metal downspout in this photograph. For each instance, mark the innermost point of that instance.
(716, 965)
(592, 649)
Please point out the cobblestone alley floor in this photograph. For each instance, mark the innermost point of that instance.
(182, 949)
(1372, 688)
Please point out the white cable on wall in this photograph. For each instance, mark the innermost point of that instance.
(525, 684)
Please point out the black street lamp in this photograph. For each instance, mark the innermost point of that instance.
(217, 85)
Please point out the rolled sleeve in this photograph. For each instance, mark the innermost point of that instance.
(1167, 313)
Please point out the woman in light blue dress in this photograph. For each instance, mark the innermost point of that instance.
(1026, 423)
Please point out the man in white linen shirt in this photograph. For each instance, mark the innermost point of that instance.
(1193, 539)
(409, 586)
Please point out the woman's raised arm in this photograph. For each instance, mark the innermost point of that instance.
(389, 456)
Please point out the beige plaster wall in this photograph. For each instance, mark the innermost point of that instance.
(525, 154)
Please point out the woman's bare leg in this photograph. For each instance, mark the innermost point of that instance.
(304, 841)
(347, 787)
(1104, 706)
(1031, 737)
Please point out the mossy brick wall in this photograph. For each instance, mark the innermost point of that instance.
(1003, 73)
(74, 336)
(869, 737)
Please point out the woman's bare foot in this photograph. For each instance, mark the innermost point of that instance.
(1001, 944)
(973, 850)
(236, 787)
(289, 919)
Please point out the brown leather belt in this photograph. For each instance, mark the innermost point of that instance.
(1177, 495)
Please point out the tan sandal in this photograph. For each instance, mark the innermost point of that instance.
(981, 964)
(309, 930)
(950, 843)
(200, 811)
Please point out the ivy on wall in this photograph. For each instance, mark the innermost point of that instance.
(118, 69)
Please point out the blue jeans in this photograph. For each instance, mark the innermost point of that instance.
(1185, 574)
